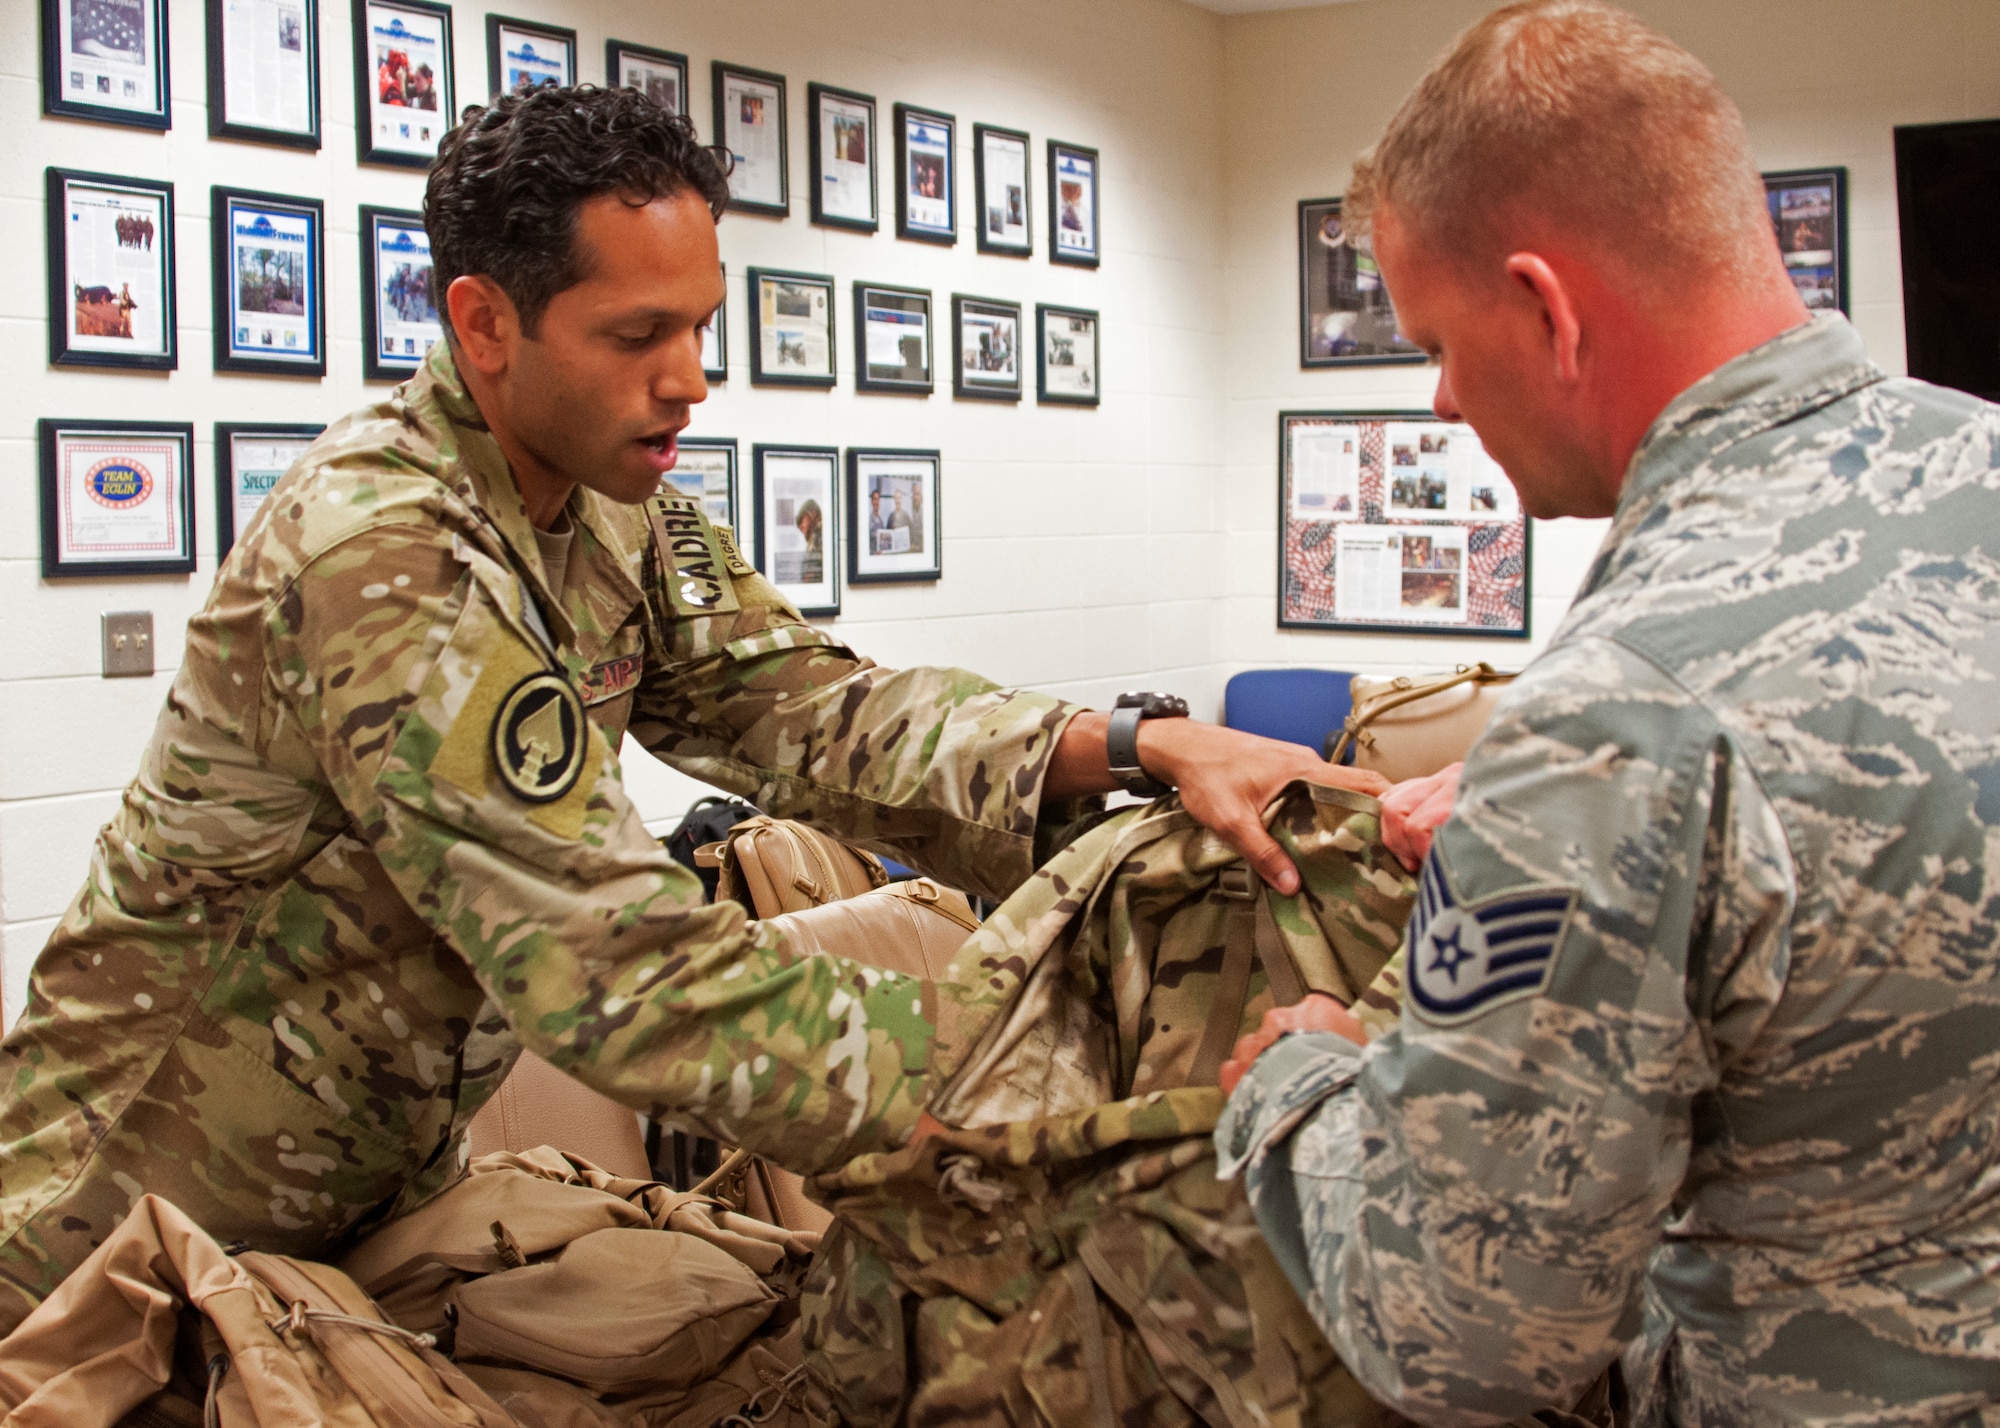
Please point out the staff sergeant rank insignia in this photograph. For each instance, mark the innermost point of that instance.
(539, 738)
(1465, 959)
(693, 561)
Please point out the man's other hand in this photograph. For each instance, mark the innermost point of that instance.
(1415, 809)
(1315, 1013)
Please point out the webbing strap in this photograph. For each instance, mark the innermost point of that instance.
(1090, 1329)
(1232, 992)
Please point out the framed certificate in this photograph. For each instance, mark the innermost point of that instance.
(1394, 520)
(987, 338)
(1000, 170)
(1345, 319)
(893, 532)
(263, 71)
(715, 337)
(791, 329)
(843, 158)
(796, 508)
(106, 60)
(249, 459)
(926, 206)
(111, 271)
(661, 75)
(892, 339)
(1066, 353)
(403, 96)
(399, 303)
(116, 499)
(1809, 211)
(750, 124)
(523, 55)
(269, 283)
(706, 472)
(1072, 205)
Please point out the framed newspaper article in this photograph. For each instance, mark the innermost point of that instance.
(1394, 520)
(111, 271)
(1066, 352)
(660, 75)
(1344, 315)
(249, 459)
(795, 510)
(706, 472)
(791, 329)
(263, 71)
(892, 339)
(893, 529)
(1073, 205)
(399, 313)
(1000, 176)
(715, 337)
(750, 124)
(403, 95)
(116, 498)
(841, 144)
(521, 54)
(986, 334)
(106, 60)
(269, 283)
(1809, 212)
(926, 175)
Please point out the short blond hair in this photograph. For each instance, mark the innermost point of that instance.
(1576, 115)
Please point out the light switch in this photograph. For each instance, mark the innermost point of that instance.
(128, 643)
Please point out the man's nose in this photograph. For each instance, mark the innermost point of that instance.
(1444, 403)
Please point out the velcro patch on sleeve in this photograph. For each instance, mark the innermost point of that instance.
(693, 561)
(1464, 959)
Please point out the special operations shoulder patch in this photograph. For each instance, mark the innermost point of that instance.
(694, 564)
(1464, 959)
(539, 738)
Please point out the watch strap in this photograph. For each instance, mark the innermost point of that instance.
(1121, 744)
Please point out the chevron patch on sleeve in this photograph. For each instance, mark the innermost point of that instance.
(1467, 958)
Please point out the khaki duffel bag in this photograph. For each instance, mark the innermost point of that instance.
(1408, 727)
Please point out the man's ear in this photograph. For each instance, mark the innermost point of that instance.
(1559, 320)
(485, 322)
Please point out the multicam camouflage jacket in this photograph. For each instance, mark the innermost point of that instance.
(1702, 1026)
(379, 841)
(1063, 1254)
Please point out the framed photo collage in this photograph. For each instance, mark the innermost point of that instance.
(118, 497)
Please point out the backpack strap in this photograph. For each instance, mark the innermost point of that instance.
(1232, 986)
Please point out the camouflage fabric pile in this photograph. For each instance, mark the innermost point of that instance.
(1064, 1252)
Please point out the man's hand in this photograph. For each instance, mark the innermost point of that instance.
(1415, 809)
(1315, 1013)
(1226, 778)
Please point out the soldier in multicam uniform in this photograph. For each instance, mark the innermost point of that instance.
(1698, 1052)
(380, 841)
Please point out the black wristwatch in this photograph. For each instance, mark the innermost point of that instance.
(1121, 740)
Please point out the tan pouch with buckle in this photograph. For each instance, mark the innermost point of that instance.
(1408, 727)
(776, 865)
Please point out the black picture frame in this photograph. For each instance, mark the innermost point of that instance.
(982, 205)
(52, 433)
(231, 326)
(975, 388)
(717, 445)
(407, 224)
(220, 126)
(865, 377)
(907, 223)
(1365, 516)
(816, 94)
(718, 329)
(226, 472)
(720, 72)
(1352, 286)
(1821, 285)
(763, 376)
(368, 149)
(1043, 312)
(496, 58)
(1066, 244)
(63, 285)
(85, 80)
(933, 521)
(832, 525)
(616, 50)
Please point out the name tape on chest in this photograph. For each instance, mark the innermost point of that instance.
(1467, 958)
(539, 738)
(696, 566)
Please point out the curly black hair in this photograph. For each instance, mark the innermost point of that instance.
(504, 193)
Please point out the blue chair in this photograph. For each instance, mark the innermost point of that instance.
(1301, 706)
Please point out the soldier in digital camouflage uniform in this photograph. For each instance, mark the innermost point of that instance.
(1702, 1025)
(379, 840)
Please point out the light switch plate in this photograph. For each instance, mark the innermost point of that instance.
(128, 643)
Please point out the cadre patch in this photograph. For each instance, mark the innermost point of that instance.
(539, 738)
(693, 561)
(1464, 959)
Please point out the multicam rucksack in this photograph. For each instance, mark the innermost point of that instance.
(1063, 1253)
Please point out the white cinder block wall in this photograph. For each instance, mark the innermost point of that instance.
(1085, 551)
